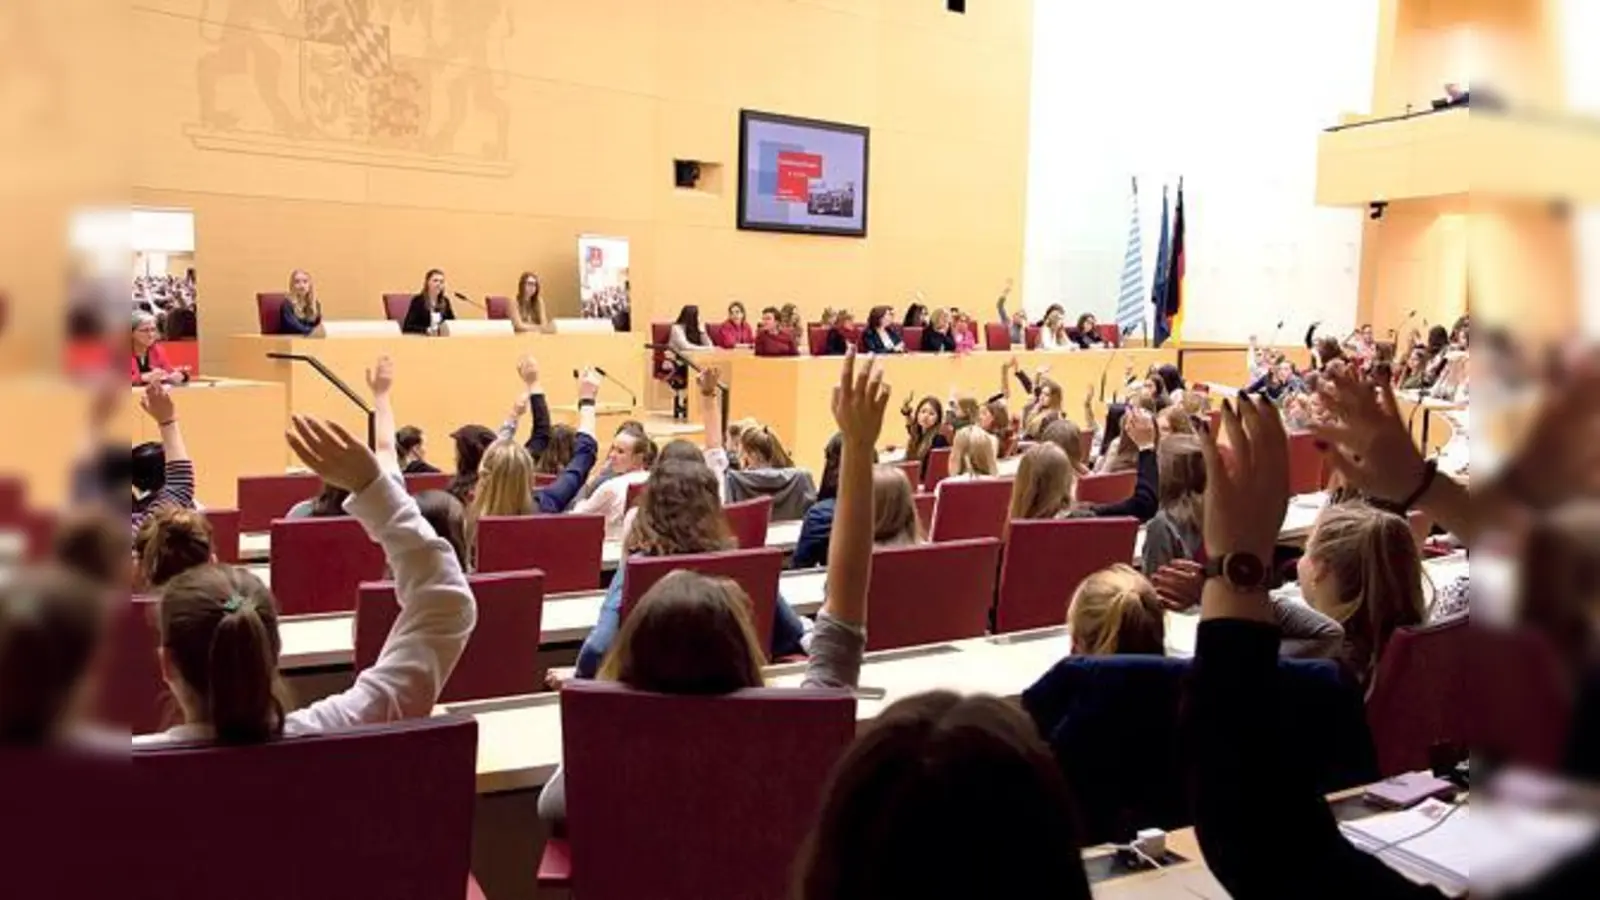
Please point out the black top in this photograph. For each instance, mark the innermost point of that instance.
(289, 321)
(938, 341)
(419, 467)
(419, 318)
(837, 343)
(1088, 340)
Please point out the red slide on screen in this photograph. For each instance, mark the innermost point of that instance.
(795, 172)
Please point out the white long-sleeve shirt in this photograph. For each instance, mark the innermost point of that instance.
(611, 500)
(1048, 341)
(437, 615)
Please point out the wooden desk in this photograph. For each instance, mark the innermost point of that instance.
(231, 427)
(791, 395)
(1227, 363)
(440, 383)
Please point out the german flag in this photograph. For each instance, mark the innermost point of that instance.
(1169, 305)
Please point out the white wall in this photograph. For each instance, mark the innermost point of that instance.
(1231, 94)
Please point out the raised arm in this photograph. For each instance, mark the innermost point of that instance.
(859, 403)
(528, 368)
(179, 487)
(380, 380)
(560, 494)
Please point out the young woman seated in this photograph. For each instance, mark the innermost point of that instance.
(693, 635)
(995, 418)
(686, 335)
(1086, 334)
(327, 504)
(1046, 482)
(736, 330)
(924, 429)
(1053, 330)
(974, 454)
(170, 542)
(162, 474)
(767, 470)
(470, 442)
(894, 511)
(964, 330)
(413, 455)
(881, 336)
(816, 528)
(1117, 611)
(938, 337)
(841, 334)
(1064, 433)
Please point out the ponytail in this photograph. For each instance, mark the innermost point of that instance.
(1117, 611)
(219, 628)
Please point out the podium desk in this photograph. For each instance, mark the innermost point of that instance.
(231, 428)
(441, 383)
(792, 395)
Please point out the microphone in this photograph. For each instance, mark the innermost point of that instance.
(1103, 372)
(632, 397)
(468, 301)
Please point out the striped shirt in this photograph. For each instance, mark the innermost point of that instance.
(177, 491)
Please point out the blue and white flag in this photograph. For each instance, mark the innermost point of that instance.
(1130, 302)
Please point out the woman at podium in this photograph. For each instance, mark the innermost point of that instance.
(430, 308)
(300, 313)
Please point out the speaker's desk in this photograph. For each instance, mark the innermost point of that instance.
(230, 427)
(440, 383)
(792, 395)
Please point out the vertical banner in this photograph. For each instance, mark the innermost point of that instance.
(603, 279)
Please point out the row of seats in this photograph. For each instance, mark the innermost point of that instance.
(996, 337)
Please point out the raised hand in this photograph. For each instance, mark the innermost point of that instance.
(709, 379)
(330, 451)
(859, 401)
(1179, 584)
(1364, 438)
(589, 385)
(157, 403)
(528, 369)
(519, 408)
(1246, 496)
(380, 378)
(1140, 427)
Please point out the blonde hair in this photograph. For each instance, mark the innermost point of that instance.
(1116, 611)
(973, 452)
(1181, 479)
(1044, 484)
(1174, 420)
(505, 486)
(1372, 557)
(894, 512)
(310, 309)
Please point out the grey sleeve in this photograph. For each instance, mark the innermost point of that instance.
(836, 650)
(1307, 634)
(1160, 545)
(553, 799)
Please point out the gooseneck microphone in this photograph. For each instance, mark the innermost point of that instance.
(633, 399)
(468, 301)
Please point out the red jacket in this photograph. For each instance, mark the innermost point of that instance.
(728, 335)
(155, 358)
(779, 343)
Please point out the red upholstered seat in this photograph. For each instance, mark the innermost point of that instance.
(997, 336)
(937, 469)
(1031, 337)
(752, 792)
(635, 490)
(566, 548)
(502, 657)
(427, 481)
(39, 531)
(749, 520)
(924, 503)
(756, 571)
(224, 533)
(976, 508)
(497, 307)
(269, 310)
(817, 339)
(911, 336)
(263, 498)
(912, 470)
(910, 608)
(342, 812)
(13, 499)
(1107, 487)
(1305, 464)
(395, 306)
(317, 565)
(1110, 332)
(1044, 561)
(133, 695)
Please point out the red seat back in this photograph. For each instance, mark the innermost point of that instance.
(1305, 464)
(634, 491)
(1031, 337)
(427, 481)
(269, 310)
(1110, 332)
(13, 500)
(937, 469)
(566, 548)
(1108, 487)
(317, 565)
(395, 306)
(1496, 692)
(39, 531)
(132, 693)
(1044, 561)
(924, 502)
(817, 339)
(748, 520)
(910, 608)
(752, 791)
(967, 509)
(497, 307)
(224, 533)
(263, 498)
(997, 336)
(341, 810)
(501, 658)
(756, 571)
(911, 336)
(913, 471)
(660, 333)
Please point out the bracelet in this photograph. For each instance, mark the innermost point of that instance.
(166, 423)
(585, 401)
(1430, 471)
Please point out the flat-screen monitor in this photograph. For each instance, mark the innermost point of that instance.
(802, 175)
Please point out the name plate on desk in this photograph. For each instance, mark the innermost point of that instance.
(352, 328)
(475, 328)
(582, 326)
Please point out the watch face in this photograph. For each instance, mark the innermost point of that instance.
(1243, 569)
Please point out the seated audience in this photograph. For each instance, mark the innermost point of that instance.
(964, 330)
(734, 440)
(1045, 486)
(528, 313)
(90, 541)
(894, 512)
(841, 334)
(686, 335)
(767, 470)
(147, 364)
(1172, 384)
(960, 412)
(470, 441)
(995, 418)
(1116, 611)
(1064, 433)
(300, 313)
(924, 429)
(964, 781)
(1175, 419)
(328, 503)
(628, 461)
(1087, 333)
(789, 319)
(602, 473)
(736, 330)
(816, 528)
(937, 337)
(1277, 384)
(170, 542)
(1174, 531)
(429, 308)
(973, 454)
(881, 336)
(218, 624)
(917, 316)
(162, 474)
(1053, 330)
(413, 456)
(1118, 451)
(1016, 323)
(773, 338)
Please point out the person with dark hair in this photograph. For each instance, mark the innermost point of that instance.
(527, 307)
(328, 503)
(686, 334)
(1086, 333)
(811, 548)
(429, 308)
(773, 339)
(470, 442)
(881, 336)
(841, 334)
(916, 316)
(1172, 383)
(736, 330)
(163, 475)
(945, 796)
(413, 457)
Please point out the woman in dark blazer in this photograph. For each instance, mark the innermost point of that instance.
(430, 307)
(300, 313)
(937, 337)
(881, 336)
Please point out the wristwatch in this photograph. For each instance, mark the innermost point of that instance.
(1244, 571)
